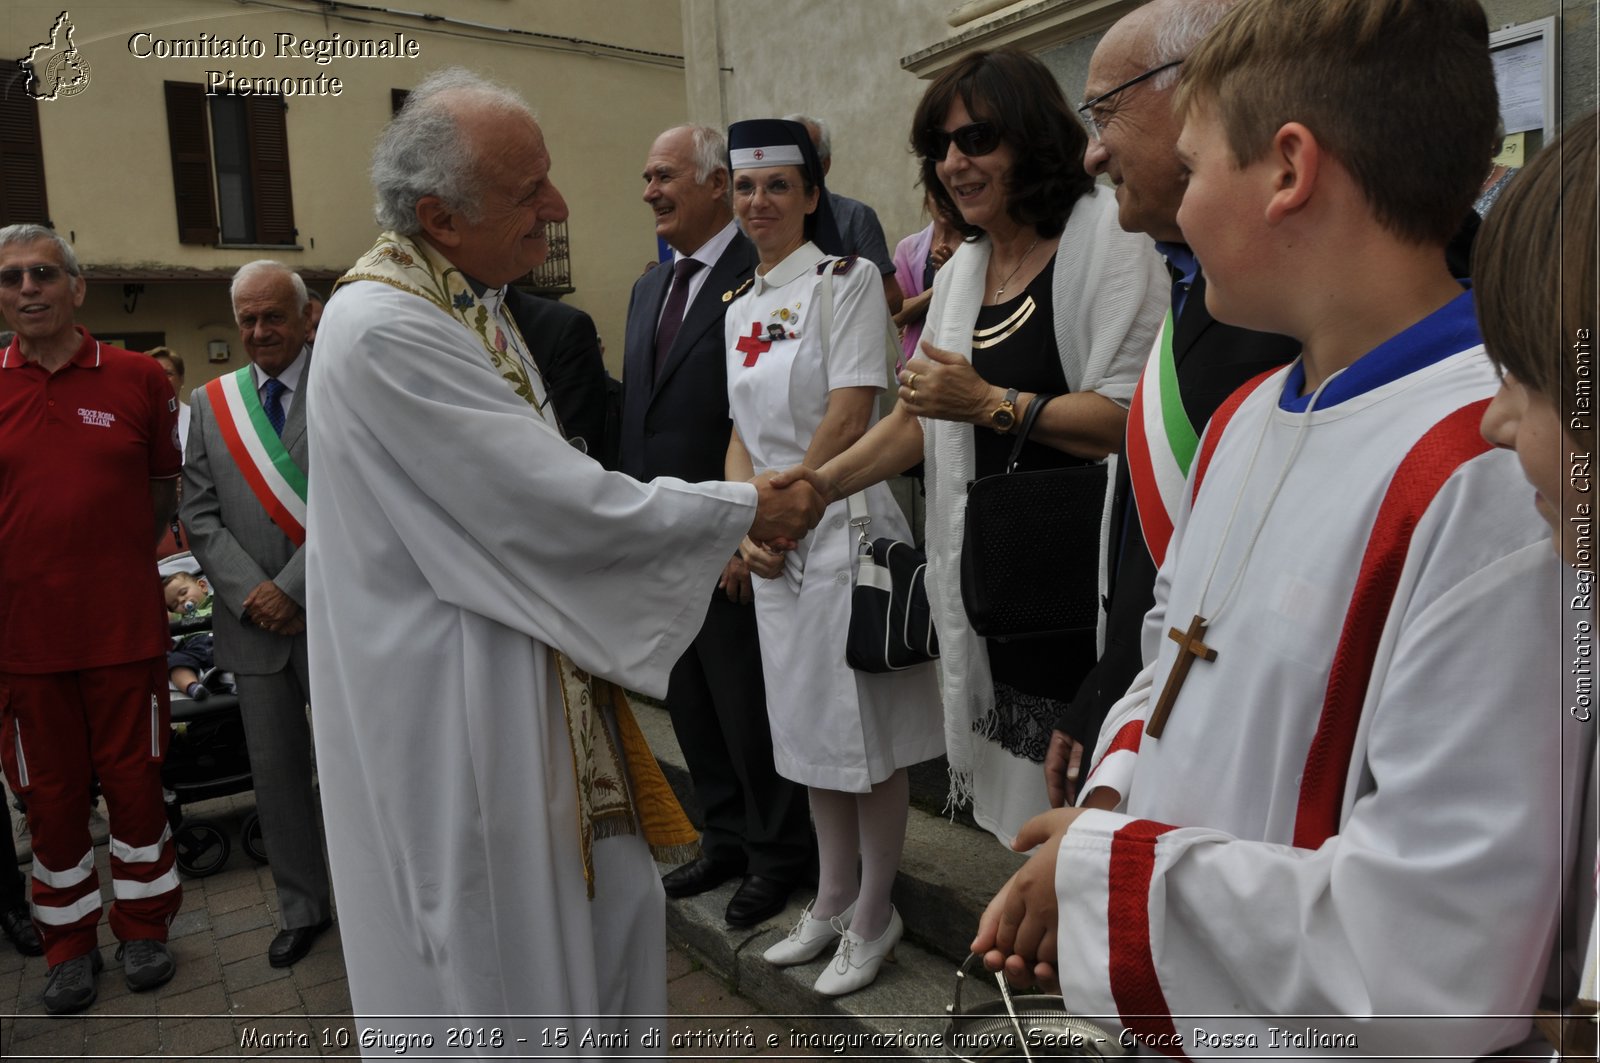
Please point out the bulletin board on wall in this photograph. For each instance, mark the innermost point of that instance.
(1526, 72)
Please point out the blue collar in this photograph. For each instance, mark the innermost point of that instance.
(1181, 261)
(1448, 330)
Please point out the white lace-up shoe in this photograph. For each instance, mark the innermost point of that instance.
(856, 963)
(809, 938)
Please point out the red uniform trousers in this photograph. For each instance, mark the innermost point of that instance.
(60, 730)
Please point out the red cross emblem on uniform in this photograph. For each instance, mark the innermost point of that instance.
(753, 345)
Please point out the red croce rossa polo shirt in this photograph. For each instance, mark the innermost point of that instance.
(78, 449)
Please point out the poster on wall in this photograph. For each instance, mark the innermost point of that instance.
(1525, 67)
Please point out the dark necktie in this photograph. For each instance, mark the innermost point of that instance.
(272, 405)
(672, 313)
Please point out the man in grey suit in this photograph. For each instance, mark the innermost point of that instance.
(675, 423)
(244, 510)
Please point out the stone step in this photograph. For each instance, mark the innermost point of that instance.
(948, 873)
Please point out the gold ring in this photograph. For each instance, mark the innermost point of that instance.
(911, 393)
(911, 382)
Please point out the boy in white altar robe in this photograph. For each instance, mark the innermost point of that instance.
(1328, 814)
(473, 582)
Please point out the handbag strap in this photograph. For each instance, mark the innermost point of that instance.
(860, 518)
(1028, 418)
(892, 351)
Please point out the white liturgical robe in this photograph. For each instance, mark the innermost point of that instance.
(453, 538)
(1349, 838)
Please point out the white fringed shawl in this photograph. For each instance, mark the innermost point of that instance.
(1110, 293)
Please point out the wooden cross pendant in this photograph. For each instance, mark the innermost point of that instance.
(753, 345)
(1189, 649)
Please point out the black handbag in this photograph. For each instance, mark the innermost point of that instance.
(1030, 555)
(891, 626)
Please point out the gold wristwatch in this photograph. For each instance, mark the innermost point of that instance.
(1004, 417)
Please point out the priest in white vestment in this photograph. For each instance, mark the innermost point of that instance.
(472, 579)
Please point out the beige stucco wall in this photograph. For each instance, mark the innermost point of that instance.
(107, 160)
(840, 61)
(843, 63)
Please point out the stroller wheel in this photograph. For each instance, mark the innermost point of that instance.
(250, 835)
(202, 848)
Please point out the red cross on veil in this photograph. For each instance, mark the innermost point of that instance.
(753, 345)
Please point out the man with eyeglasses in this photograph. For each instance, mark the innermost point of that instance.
(1133, 136)
(89, 464)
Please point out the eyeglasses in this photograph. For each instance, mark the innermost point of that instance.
(976, 138)
(41, 274)
(776, 188)
(1097, 124)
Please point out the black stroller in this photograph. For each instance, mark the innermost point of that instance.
(206, 758)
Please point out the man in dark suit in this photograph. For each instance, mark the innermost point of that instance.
(246, 522)
(675, 423)
(566, 348)
(1133, 141)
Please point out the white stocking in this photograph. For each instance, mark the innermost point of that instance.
(882, 818)
(834, 814)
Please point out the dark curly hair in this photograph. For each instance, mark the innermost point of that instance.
(1016, 92)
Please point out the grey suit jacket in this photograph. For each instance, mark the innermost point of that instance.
(235, 541)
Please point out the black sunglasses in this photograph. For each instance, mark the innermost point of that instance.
(42, 274)
(976, 138)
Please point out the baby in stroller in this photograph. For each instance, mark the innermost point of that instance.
(190, 662)
(208, 756)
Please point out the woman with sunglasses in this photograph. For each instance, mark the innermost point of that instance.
(807, 339)
(1046, 296)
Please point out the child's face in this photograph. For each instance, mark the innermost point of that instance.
(1528, 422)
(1223, 218)
(185, 590)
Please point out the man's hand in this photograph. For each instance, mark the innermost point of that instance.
(735, 581)
(786, 509)
(1017, 933)
(269, 609)
(1062, 762)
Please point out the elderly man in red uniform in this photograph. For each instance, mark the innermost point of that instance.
(89, 462)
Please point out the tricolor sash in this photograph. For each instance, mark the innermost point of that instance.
(279, 484)
(1161, 444)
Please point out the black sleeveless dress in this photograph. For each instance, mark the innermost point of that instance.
(1014, 346)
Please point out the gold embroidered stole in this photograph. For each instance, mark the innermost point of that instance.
(619, 791)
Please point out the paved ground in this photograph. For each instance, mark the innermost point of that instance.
(224, 994)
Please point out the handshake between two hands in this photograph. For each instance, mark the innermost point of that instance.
(788, 505)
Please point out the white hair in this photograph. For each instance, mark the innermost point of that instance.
(824, 143)
(422, 151)
(1180, 27)
(267, 265)
(710, 150)
(28, 233)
